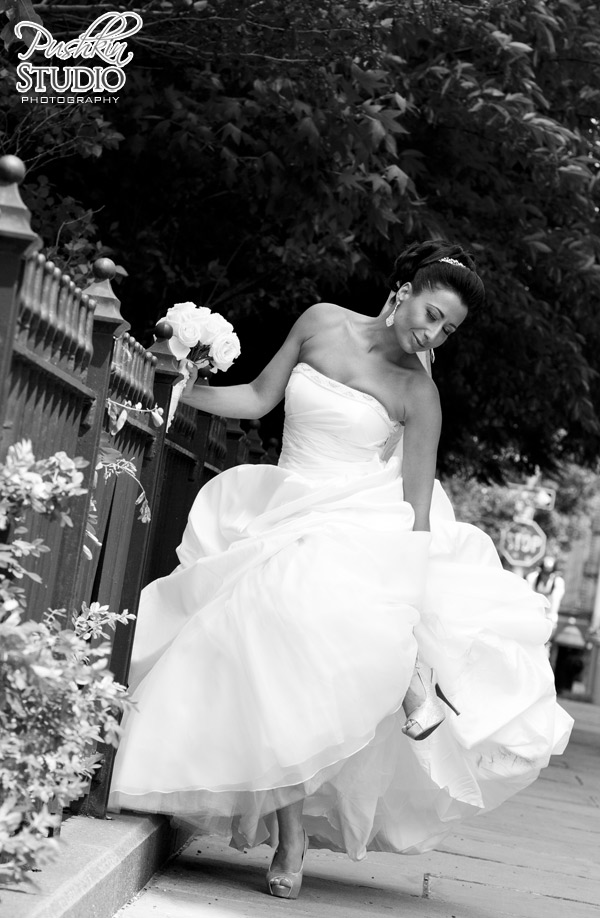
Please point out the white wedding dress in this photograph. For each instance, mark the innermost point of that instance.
(272, 663)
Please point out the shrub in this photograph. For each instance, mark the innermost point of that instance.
(57, 696)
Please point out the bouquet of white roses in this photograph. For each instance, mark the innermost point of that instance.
(203, 337)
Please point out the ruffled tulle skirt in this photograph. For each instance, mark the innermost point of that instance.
(271, 666)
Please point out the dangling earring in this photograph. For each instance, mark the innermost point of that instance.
(390, 319)
(432, 355)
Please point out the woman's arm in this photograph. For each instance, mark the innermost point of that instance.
(421, 437)
(255, 399)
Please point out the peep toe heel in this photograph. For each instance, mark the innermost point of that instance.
(286, 884)
(426, 717)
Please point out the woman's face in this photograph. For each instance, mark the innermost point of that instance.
(426, 320)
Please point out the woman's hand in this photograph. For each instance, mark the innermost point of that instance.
(192, 369)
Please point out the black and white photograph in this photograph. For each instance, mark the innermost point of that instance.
(299, 458)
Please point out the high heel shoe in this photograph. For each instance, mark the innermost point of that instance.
(427, 716)
(286, 884)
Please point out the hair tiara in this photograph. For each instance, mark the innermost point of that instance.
(453, 261)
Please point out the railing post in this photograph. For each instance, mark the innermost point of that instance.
(181, 473)
(256, 450)
(108, 325)
(166, 374)
(237, 444)
(271, 457)
(16, 237)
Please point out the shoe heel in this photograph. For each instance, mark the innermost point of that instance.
(441, 695)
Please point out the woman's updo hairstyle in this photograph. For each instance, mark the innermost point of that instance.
(421, 265)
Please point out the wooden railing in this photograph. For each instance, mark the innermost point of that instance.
(64, 353)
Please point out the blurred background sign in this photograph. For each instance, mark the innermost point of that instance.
(523, 543)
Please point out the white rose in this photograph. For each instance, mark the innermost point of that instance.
(214, 326)
(187, 321)
(224, 349)
(182, 311)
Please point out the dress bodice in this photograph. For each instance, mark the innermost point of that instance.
(332, 429)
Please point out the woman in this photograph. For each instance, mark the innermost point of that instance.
(272, 665)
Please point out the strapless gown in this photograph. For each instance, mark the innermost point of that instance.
(272, 663)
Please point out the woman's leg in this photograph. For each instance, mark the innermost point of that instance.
(291, 838)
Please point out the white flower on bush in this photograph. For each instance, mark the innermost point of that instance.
(21, 452)
(64, 462)
(41, 490)
(224, 349)
(45, 485)
(31, 479)
(188, 322)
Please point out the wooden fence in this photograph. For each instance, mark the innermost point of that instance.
(65, 356)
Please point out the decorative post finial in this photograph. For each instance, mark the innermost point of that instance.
(17, 240)
(104, 268)
(108, 306)
(163, 330)
(167, 362)
(15, 219)
(12, 170)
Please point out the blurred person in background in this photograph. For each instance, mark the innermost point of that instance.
(548, 580)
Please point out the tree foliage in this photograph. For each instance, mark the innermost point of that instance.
(266, 155)
(492, 507)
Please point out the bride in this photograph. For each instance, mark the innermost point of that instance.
(271, 668)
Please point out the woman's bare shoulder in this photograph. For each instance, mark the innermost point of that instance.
(323, 315)
(421, 393)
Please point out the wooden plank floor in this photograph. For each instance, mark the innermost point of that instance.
(537, 856)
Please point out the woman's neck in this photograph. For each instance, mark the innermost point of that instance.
(381, 341)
